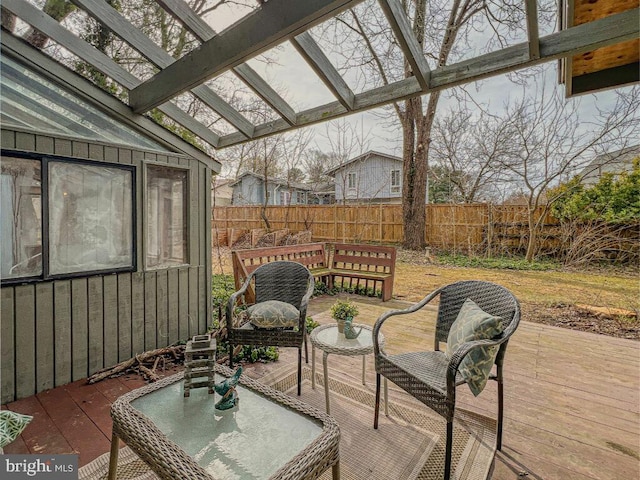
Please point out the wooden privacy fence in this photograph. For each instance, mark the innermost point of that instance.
(457, 227)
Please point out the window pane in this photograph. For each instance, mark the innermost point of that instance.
(90, 218)
(166, 216)
(20, 218)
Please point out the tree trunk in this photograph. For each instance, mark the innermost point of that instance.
(533, 236)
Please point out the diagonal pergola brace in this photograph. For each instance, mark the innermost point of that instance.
(318, 61)
(113, 20)
(412, 49)
(268, 26)
(203, 32)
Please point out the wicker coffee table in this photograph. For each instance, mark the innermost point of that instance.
(328, 339)
(269, 435)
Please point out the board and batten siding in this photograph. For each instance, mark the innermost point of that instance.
(58, 331)
(373, 179)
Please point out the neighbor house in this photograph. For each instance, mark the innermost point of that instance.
(371, 177)
(251, 188)
(611, 162)
(221, 192)
(104, 229)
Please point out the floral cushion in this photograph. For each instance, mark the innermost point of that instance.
(273, 314)
(11, 425)
(473, 323)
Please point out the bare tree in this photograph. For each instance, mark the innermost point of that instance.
(548, 144)
(444, 37)
(468, 150)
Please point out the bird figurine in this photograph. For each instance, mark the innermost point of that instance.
(349, 331)
(229, 400)
(224, 387)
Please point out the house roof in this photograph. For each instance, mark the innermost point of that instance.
(611, 162)
(364, 156)
(178, 88)
(273, 180)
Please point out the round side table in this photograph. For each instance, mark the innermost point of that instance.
(329, 340)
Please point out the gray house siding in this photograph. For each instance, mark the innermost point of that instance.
(368, 179)
(57, 331)
(249, 190)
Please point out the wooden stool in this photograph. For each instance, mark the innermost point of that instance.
(199, 361)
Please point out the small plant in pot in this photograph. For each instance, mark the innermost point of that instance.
(341, 310)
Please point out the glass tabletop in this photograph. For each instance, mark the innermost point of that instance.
(329, 336)
(250, 441)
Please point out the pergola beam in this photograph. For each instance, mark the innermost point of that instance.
(112, 19)
(582, 38)
(412, 49)
(103, 63)
(203, 32)
(532, 28)
(318, 61)
(268, 26)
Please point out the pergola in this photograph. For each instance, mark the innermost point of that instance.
(278, 21)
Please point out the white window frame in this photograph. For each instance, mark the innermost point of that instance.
(396, 185)
(352, 183)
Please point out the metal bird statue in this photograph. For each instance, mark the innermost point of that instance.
(224, 387)
(229, 400)
(349, 331)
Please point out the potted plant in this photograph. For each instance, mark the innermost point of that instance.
(341, 310)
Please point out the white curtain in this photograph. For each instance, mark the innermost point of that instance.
(90, 218)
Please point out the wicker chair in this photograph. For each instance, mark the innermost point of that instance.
(288, 282)
(428, 375)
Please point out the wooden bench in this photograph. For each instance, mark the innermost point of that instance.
(368, 263)
(311, 255)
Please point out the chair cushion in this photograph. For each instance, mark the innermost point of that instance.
(273, 314)
(473, 323)
(11, 425)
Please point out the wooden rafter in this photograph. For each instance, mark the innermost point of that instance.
(532, 28)
(203, 32)
(318, 61)
(412, 49)
(112, 19)
(582, 38)
(268, 26)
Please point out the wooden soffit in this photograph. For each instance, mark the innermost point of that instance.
(606, 67)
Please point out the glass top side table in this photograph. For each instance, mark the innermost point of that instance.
(328, 339)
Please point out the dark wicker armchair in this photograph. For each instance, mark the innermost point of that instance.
(430, 376)
(287, 282)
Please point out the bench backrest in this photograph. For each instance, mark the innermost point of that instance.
(366, 258)
(311, 255)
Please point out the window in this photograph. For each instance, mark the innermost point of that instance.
(285, 198)
(351, 181)
(90, 213)
(396, 181)
(20, 218)
(79, 214)
(300, 198)
(166, 216)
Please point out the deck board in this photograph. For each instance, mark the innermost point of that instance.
(572, 408)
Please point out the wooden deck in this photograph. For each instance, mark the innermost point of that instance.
(572, 401)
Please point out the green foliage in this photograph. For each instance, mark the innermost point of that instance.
(250, 354)
(505, 263)
(310, 324)
(613, 199)
(222, 287)
(343, 309)
(321, 288)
